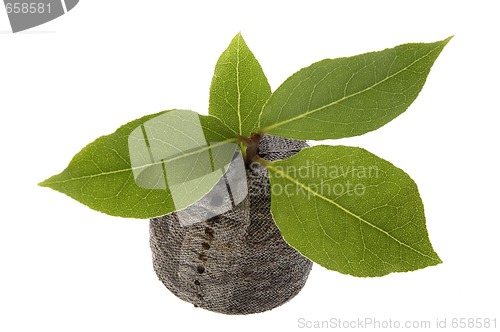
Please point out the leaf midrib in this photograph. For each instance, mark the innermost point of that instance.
(293, 180)
(238, 84)
(208, 147)
(333, 103)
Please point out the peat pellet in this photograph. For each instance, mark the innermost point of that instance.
(236, 262)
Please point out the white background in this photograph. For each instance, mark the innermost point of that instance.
(64, 267)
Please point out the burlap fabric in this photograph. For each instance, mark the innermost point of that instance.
(236, 262)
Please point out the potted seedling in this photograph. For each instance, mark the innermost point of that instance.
(239, 204)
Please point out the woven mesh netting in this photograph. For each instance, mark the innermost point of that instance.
(236, 262)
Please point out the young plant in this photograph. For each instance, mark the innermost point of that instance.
(342, 207)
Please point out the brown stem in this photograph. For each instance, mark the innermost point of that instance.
(252, 144)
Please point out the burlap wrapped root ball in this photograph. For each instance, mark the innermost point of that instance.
(236, 262)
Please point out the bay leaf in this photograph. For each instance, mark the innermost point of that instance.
(149, 167)
(239, 89)
(350, 211)
(336, 98)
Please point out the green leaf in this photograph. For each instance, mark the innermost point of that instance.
(349, 96)
(155, 165)
(239, 89)
(350, 211)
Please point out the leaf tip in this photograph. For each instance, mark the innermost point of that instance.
(239, 38)
(43, 183)
(50, 181)
(447, 40)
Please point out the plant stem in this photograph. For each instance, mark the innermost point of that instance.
(252, 144)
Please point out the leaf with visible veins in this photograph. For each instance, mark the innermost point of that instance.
(350, 211)
(344, 97)
(239, 89)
